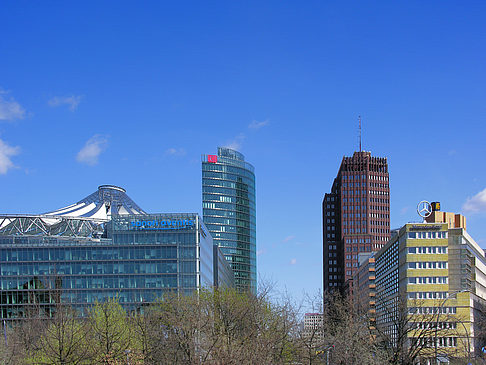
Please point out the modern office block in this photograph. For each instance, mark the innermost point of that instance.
(229, 211)
(364, 288)
(104, 246)
(355, 217)
(437, 275)
(224, 276)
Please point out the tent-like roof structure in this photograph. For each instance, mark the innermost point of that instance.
(86, 218)
(109, 200)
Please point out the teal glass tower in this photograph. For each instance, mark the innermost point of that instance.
(228, 195)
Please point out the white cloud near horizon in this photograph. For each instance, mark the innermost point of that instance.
(255, 124)
(6, 153)
(237, 142)
(91, 151)
(287, 239)
(9, 108)
(72, 101)
(175, 151)
(476, 204)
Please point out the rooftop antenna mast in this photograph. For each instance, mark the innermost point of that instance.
(359, 130)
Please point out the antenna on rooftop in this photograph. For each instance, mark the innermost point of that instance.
(359, 131)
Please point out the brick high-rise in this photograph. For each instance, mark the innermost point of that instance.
(355, 216)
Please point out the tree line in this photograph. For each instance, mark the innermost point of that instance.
(213, 327)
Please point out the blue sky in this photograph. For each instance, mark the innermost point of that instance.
(118, 93)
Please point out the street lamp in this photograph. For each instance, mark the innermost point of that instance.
(128, 359)
(438, 317)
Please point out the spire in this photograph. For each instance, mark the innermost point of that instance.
(359, 130)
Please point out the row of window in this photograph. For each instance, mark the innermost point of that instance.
(229, 206)
(363, 177)
(380, 200)
(380, 207)
(355, 230)
(93, 253)
(207, 197)
(114, 282)
(428, 265)
(428, 250)
(356, 240)
(356, 223)
(212, 177)
(234, 223)
(434, 325)
(366, 248)
(432, 310)
(222, 169)
(428, 295)
(428, 280)
(427, 235)
(356, 207)
(228, 191)
(441, 341)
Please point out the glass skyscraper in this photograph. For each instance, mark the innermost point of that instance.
(229, 212)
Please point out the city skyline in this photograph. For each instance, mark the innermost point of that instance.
(133, 97)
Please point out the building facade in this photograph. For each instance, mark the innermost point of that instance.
(355, 217)
(80, 255)
(229, 211)
(364, 288)
(431, 290)
(313, 328)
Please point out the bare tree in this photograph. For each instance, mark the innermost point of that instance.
(348, 331)
(415, 329)
(62, 339)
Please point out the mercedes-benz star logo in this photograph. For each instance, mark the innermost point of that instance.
(424, 209)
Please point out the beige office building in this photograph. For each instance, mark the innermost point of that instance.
(435, 273)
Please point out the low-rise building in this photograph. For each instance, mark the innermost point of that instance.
(313, 327)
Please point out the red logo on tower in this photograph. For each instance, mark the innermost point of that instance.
(212, 158)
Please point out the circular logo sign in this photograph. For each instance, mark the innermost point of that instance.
(424, 209)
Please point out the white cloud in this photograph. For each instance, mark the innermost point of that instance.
(255, 124)
(287, 239)
(73, 101)
(237, 142)
(6, 152)
(293, 261)
(91, 151)
(476, 204)
(260, 252)
(175, 151)
(9, 108)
